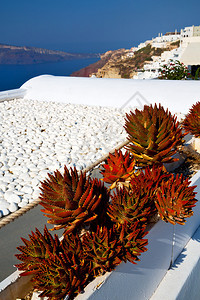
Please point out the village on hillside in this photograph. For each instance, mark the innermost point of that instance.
(146, 60)
(188, 52)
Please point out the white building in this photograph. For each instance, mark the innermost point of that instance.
(190, 31)
(142, 45)
(187, 32)
(188, 52)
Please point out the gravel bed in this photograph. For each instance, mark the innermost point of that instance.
(37, 138)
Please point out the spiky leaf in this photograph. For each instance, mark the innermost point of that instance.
(71, 201)
(154, 135)
(191, 122)
(130, 206)
(36, 251)
(175, 199)
(118, 168)
(58, 268)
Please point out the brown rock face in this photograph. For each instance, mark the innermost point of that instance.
(93, 68)
(119, 64)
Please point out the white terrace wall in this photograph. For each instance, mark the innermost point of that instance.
(176, 95)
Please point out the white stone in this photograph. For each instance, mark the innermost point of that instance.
(54, 167)
(31, 166)
(3, 186)
(10, 196)
(18, 192)
(11, 186)
(43, 174)
(36, 194)
(35, 182)
(27, 189)
(7, 179)
(4, 204)
(5, 211)
(13, 207)
(23, 203)
(25, 177)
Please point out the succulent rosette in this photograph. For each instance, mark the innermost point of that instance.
(57, 267)
(119, 168)
(175, 199)
(71, 201)
(154, 135)
(191, 122)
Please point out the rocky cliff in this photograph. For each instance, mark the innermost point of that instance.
(93, 68)
(120, 64)
(30, 55)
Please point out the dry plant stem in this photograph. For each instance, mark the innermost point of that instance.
(190, 151)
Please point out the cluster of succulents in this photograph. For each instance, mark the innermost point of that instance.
(102, 229)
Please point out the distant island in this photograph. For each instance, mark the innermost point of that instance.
(31, 55)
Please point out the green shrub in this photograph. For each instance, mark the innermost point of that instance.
(174, 71)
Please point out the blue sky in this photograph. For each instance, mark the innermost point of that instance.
(91, 26)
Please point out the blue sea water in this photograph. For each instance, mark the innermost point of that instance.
(13, 76)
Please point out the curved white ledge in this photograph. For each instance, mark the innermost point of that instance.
(12, 94)
(176, 95)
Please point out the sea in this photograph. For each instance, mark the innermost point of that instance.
(13, 76)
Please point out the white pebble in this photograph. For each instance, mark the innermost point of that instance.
(5, 211)
(11, 197)
(4, 204)
(23, 203)
(3, 186)
(13, 207)
(25, 177)
(27, 189)
(35, 182)
(36, 194)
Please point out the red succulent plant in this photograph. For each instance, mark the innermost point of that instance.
(118, 168)
(71, 201)
(154, 135)
(36, 251)
(175, 199)
(191, 122)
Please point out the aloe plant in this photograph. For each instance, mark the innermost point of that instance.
(64, 274)
(118, 168)
(107, 248)
(58, 267)
(36, 251)
(154, 135)
(191, 122)
(130, 206)
(101, 250)
(131, 237)
(175, 199)
(136, 203)
(71, 202)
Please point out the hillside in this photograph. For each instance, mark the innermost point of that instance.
(93, 68)
(31, 55)
(119, 64)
